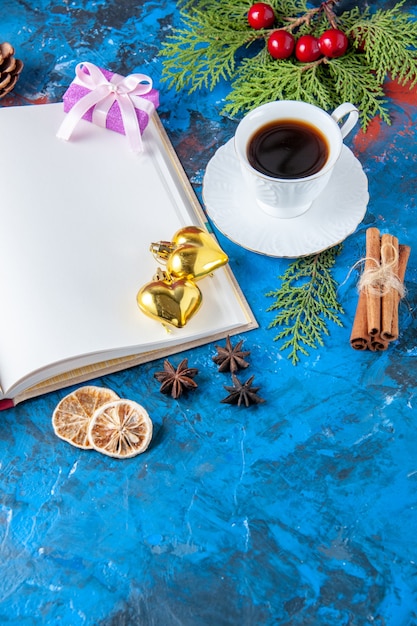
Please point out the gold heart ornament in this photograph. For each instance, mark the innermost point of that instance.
(194, 262)
(192, 254)
(170, 301)
(196, 236)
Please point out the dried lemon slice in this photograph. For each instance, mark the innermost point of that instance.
(120, 429)
(72, 415)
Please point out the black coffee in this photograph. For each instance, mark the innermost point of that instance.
(288, 149)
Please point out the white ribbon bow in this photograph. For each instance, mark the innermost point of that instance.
(127, 92)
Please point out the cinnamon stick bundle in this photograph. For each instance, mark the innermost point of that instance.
(381, 288)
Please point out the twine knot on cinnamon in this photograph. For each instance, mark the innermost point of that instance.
(379, 280)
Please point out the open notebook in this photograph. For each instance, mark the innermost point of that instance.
(77, 220)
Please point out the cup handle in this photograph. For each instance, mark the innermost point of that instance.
(353, 115)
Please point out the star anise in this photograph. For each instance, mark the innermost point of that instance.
(231, 358)
(175, 381)
(242, 393)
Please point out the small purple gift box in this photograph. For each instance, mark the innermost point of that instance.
(121, 104)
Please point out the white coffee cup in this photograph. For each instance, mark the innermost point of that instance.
(289, 197)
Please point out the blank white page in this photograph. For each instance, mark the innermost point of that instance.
(77, 220)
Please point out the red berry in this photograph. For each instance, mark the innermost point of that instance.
(307, 49)
(261, 15)
(281, 44)
(333, 43)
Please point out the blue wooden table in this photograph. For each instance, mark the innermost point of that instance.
(299, 511)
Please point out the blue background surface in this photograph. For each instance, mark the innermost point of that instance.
(300, 511)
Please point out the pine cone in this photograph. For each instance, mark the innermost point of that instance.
(10, 68)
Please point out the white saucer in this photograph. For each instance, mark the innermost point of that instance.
(331, 218)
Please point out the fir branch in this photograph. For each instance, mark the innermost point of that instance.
(305, 302)
(217, 43)
(259, 82)
(326, 83)
(388, 40)
(354, 81)
(202, 53)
